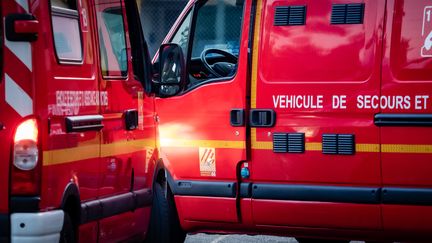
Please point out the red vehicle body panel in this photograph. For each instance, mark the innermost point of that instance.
(348, 77)
(114, 164)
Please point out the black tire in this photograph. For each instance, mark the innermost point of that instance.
(159, 219)
(68, 233)
(177, 234)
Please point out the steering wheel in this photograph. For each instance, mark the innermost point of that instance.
(229, 58)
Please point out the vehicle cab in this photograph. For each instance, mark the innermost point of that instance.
(302, 118)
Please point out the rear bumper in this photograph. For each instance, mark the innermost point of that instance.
(36, 227)
(4, 228)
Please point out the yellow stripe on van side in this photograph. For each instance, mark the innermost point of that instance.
(184, 143)
(407, 148)
(62, 156)
(255, 48)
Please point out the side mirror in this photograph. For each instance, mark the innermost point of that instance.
(172, 71)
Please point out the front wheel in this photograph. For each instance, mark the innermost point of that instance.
(159, 220)
(177, 234)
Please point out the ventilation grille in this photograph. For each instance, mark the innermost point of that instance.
(329, 144)
(290, 15)
(280, 143)
(347, 13)
(345, 144)
(338, 144)
(289, 142)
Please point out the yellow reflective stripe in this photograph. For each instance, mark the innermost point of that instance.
(407, 148)
(255, 48)
(368, 147)
(126, 147)
(61, 156)
(313, 146)
(184, 143)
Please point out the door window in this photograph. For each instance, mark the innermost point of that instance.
(112, 41)
(66, 31)
(182, 34)
(216, 40)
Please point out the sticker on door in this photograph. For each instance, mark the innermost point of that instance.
(426, 50)
(207, 161)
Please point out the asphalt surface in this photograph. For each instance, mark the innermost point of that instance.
(212, 238)
(209, 238)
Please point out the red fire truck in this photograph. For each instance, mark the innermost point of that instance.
(78, 144)
(302, 117)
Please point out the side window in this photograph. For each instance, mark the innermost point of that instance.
(182, 34)
(216, 40)
(112, 42)
(66, 30)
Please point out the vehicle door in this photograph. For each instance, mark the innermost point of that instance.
(315, 149)
(66, 98)
(202, 129)
(406, 126)
(128, 137)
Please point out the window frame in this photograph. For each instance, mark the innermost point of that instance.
(71, 14)
(196, 7)
(99, 38)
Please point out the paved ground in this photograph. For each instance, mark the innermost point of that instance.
(205, 238)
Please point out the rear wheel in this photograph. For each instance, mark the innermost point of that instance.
(67, 235)
(159, 224)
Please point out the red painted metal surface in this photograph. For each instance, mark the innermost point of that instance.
(344, 76)
(101, 163)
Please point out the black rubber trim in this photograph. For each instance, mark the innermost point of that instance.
(204, 188)
(367, 195)
(110, 206)
(10, 32)
(246, 190)
(84, 123)
(407, 120)
(143, 198)
(91, 211)
(117, 204)
(4, 228)
(24, 204)
(407, 196)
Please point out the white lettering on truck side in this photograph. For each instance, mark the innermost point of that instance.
(366, 102)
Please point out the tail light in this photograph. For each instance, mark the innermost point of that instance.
(25, 172)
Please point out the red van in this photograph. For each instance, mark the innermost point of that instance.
(303, 118)
(78, 132)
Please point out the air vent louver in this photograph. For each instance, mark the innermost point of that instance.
(290, 15)
(296, 142)
(289, 142)
(347, 13)
(338, 144)
(280, 143)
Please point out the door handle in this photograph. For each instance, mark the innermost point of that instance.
(262, 118)
(237, 117)
(84, 123)
(131, 119)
